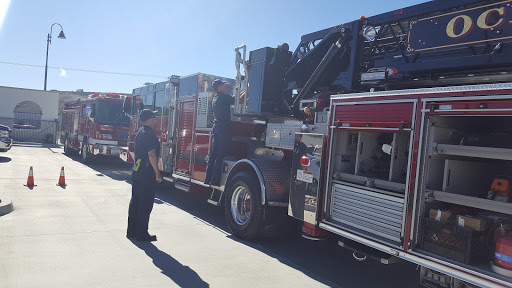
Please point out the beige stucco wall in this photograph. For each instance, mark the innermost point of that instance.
(47, 100)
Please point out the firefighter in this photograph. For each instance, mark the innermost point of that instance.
(144, 175)
(221, 132)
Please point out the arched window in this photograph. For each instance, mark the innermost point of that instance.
(27, 115)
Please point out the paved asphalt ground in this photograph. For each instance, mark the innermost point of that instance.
(75, 237)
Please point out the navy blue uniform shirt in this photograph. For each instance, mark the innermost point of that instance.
(146, 141)
(221, 109)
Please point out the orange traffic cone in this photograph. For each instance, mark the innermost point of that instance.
(62, 179)
(30, 180)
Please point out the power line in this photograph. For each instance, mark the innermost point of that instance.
(82, 70)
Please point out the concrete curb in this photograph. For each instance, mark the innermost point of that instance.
(6, 206)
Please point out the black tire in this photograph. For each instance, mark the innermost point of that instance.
(86, 156)
(67, 149)
(250, 227)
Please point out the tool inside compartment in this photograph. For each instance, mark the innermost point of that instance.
(466, 184)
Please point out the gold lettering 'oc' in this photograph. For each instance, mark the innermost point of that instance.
(483, 20)
(468, 26)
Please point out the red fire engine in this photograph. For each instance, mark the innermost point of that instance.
(393, 132)
(95, 126)
(162, 97)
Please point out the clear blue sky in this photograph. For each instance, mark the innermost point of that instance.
(154, 37)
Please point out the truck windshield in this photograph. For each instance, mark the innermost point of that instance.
(111, 113)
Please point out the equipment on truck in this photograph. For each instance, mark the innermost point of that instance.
(503, 254)
(94, 126)
(501, 190)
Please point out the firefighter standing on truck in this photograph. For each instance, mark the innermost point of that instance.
(221, 132)
(144, 175)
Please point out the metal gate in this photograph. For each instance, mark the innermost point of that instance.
(42, 131)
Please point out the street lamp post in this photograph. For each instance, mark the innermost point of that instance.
(61, 36)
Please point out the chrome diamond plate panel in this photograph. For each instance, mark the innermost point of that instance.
(288, 135)
(283, 136)
(204, 111)
(276, 176)
(273, 135)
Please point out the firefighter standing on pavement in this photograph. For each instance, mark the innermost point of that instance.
(144, 175)
(221, 132)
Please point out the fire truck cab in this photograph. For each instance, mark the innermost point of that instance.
(94, 126)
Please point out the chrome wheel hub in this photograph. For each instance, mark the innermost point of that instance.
(84, 152)
(241, 205)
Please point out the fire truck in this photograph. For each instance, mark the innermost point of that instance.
(392, 132)
(94, 126)
(162, 97)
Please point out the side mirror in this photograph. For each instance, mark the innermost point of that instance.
(93, 111)
(127, 106)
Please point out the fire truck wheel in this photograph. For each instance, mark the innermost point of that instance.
(243, 209)
(86, 155)
(68, 150)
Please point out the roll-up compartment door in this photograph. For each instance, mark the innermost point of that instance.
(378, 115)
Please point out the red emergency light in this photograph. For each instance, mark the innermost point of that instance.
(110, 95)
(304, 161)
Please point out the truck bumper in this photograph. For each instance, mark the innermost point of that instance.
(5, 144)
(109, 150)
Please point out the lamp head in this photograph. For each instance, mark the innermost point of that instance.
(61, 35)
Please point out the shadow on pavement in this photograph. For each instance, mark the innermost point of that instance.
(35, 145)
(5, 159)
(196, 205)
(323, 261)
(181, 275)
(112, 167)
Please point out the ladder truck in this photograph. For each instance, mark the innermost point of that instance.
(391, 132)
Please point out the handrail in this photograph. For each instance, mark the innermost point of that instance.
(469, 110)
(240, 60)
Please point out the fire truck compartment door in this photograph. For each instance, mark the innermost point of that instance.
(306, 176)
(185, 138)
(371, 115)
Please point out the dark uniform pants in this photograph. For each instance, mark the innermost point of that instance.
(221, 147)
(141, 204)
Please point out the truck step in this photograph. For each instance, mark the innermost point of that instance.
(216, 198)
(182, 186)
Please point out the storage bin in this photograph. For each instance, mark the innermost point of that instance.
(448, 240)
